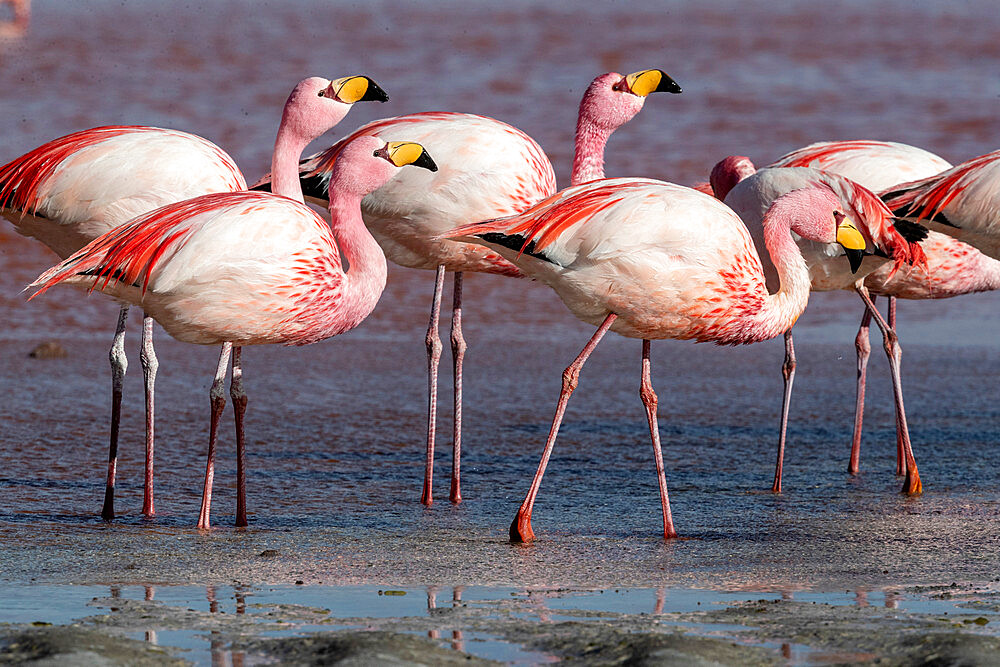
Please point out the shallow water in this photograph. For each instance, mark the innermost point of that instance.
(286, 611)
(335, 430)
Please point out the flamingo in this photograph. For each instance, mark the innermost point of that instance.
(953, 267)
(652, 260)
(961, 202)
(751, 197)
(249, 268)
(488, 169)
(73, 189)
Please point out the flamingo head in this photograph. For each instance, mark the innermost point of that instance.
(368, 162)
(816, 213)
(728, 172)
(316, 104)
(612, 99)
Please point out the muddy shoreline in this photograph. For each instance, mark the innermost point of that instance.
(519, 628)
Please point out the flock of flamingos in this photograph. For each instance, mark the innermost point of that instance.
(164, 220)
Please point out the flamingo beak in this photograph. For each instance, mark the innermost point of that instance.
(402, 153)
(648, 81)
(851, 240)
(351, 89)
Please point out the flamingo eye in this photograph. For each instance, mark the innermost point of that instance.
(322, 93)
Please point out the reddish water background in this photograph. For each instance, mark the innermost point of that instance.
(335, 430)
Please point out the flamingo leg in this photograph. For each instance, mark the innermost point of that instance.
(434, 347)
(911, 484)
(239, 410)
(458, 347)
(149, 365)
(119, 364)
(788, 373)
(900, 455)
(520, 528)
(863, 347)
(649, 400)
(218, 401)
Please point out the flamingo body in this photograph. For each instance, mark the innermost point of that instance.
(876, 165)
(641, 254)
(71, 190)
(213, 269)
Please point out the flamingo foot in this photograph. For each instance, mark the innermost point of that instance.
(776, 487)
(520, 529)
(912, 485)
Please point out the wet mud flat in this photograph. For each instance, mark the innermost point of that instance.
(944, 625)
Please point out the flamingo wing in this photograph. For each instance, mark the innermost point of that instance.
(876, 165)
(962, 202)
(75, 188)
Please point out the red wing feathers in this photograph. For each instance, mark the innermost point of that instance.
(129, 253)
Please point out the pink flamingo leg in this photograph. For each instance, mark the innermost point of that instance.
(119, 364)
(239, 410)
(458, 347)
(863, 347)
(520, 528)
(218, 402)
(788, 373)
(650, 401)
(149, 365)
(433, 341)
(900, 455)
(911, 484)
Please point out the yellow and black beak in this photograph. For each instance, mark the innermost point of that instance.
(648, 81)
(351, 89)
(402, 153)
(851, 240)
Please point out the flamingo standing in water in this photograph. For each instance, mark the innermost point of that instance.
(652, 260)
(876, 165)
(751, 197)
(488, 170)
(250, 268)
(73, 189)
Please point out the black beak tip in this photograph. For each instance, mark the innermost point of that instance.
(375, 93)
(426, 162)
(855, 257)
(668, 85)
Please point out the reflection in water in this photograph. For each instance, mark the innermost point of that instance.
(456, 601)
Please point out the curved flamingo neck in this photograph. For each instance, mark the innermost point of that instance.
(784, 307)
(365, 275)
(288, 148)
(588, 156)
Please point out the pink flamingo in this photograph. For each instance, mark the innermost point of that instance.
(72, 190)
(876, 165)
(653, 260)
(250, 268)
(751, 197)
(488, 170)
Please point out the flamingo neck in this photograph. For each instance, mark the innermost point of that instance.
(288, 149)
(365, 274)
(588, 157)
(782, 308)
